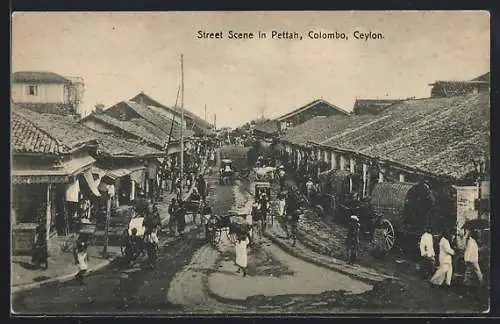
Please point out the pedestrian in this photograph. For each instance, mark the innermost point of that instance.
(40, 254)
(445, 271)
(309, 188)
(281, 204)
(202, 186)
(171, 220)
(352, 240)
(249, 222)
(281, 175)
(471, 258)
(294, 224)
(180, 218)
(206, 213)
(241, 253)
(428, 263)
(81, 258)
(152, 243)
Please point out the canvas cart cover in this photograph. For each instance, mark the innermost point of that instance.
(389, 199)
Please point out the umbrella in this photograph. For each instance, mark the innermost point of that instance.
(476, 224)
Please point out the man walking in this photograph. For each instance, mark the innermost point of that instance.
(427, 264)
(445, 270)
(352, 240)
(471, 258)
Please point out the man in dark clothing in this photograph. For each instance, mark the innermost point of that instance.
(292, 215)
(171, 211)
(352, 240)
(180, 218)
(201, 185)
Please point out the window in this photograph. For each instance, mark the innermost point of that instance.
(32, 90)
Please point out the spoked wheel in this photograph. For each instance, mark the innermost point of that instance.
(232, 237)
(215, 235)
(389, 236)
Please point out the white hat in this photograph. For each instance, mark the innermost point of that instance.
(355, 218)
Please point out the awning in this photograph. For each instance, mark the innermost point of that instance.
(91, 183)
(121, 172)
(138, 176)
(51, 174)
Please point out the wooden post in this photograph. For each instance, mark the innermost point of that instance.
(352, 166)
(401, 178)
(334, 160)
(365, 179)
(48, 213)
(108, 216)
(342, 162)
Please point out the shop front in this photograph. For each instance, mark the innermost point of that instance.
(39, 196)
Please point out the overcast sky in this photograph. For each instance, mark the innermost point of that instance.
(120, 54)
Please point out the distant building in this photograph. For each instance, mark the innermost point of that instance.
(372, 106)
(313, 109)
(477, 85)
(48, 92)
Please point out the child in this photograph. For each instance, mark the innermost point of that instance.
(81, 259)
(152, 243)
(241, 253)
(40, 253)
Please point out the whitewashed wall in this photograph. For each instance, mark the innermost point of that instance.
(47, 93)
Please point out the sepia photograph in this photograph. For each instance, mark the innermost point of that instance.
(250, 162)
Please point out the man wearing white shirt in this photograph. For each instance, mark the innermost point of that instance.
(445, 270)
(471, 258)
(427, 253)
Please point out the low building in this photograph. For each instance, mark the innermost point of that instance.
(48, 92)
(48, 164)
(280, 125)
(372, 106)
(192, 121)
(480, 84)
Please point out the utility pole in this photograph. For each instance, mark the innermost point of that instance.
(108, 216)
(205, 112)
(215, 121)
(182, 125)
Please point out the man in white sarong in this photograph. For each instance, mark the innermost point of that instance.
(445, 270)
(471, 258)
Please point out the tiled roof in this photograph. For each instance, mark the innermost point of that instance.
(37, 77)
(438, 135)
(64, 129)
(52, 134)
(147, 100)
(130, 127)
(319, 128)
(115, 146)
(483, 77)
(269, 127)
(25, 137)
(47, 108)
(153, 117)
(311, 105)
(371, 106)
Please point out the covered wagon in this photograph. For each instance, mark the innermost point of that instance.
(401, 211)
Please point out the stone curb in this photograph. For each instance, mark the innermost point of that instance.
(322, 264)
(61, 278)
(217, 297)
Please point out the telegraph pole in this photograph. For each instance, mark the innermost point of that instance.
(182, 125)
(205, 112)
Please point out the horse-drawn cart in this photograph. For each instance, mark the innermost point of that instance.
(233, 225)
(226, 172)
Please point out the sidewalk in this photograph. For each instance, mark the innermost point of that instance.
(61, 268)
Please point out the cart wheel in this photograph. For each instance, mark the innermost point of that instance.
(215, 235)
(233, 238)
(389, 235)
